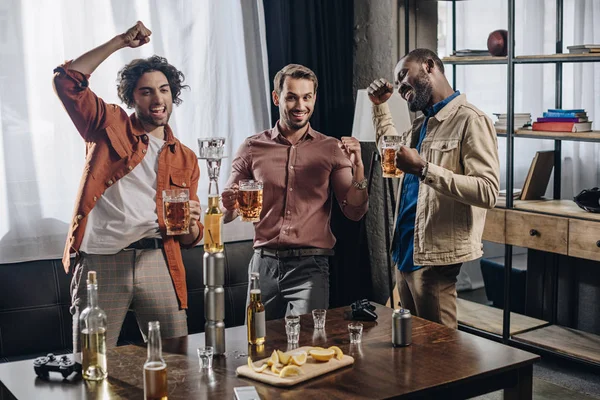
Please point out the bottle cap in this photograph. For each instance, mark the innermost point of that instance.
(91, 279)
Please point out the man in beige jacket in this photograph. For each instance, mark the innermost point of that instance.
(451, 177)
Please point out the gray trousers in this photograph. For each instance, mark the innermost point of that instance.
(130, 279)
(294, 285)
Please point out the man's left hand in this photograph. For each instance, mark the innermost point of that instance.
(409, 161)
(195, 212)
(351, 148)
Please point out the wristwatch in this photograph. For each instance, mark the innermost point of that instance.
(424, 171)
(362, 185)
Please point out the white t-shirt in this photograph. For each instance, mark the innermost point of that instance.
(126, 212)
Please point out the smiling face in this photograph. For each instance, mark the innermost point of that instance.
(153, 100)
(296, 102)
(414, 84)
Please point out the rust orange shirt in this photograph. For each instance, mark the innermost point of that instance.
(115, 144)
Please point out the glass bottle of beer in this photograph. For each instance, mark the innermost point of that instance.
(256, 313)
(155, 368)
(92, 325)
(213, 219)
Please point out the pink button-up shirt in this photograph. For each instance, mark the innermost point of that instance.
(297, 184)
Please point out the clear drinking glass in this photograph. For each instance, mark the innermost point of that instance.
(355, 330)
(319, 316)
(389, 147)
(211, 148)
(177, 211)
(205, 357)
(250, 199)
(292, 328)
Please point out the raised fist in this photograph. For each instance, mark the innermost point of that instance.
(137, 35)
(380, 91)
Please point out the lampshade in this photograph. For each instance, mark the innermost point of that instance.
(362, 127)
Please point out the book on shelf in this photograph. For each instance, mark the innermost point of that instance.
(516, 193)
(584, 48)
(561, 119)
(554, 114)
(538, 176)
(562, 126)
(520, 120)
(470, 53)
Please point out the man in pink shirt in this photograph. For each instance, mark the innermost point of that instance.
(300, 169)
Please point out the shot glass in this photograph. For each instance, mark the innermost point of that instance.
(319, 318)
(292, 328)
(355, 330)
(205, 357)
(177, 211)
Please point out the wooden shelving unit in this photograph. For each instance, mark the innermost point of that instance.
(561, 208)
(474, 60)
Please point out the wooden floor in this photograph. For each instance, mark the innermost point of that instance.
(564, 340)
(489, 318)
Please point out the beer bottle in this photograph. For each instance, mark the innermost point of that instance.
(213, 221)
(155, 368)
(92, 325)
(256, 313)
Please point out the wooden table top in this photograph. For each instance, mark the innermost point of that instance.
(440, 360)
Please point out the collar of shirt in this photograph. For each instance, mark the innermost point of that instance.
(138, 130)
(434, 109)
(276, 132)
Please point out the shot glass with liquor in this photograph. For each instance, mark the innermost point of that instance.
(177, 211)
(250, 199)
(389, 147)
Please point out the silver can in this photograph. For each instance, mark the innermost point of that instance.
(401, 327)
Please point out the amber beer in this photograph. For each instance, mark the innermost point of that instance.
(388, 163)
(250, 199)
(177, 211)
(155, 382)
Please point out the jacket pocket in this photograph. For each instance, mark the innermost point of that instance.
(445, 153)
(116, 142)
(180, 178)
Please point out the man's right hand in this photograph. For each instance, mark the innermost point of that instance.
(380, 91)
(137, 35)
(229, 198)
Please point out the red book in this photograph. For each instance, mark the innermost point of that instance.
(562, 126)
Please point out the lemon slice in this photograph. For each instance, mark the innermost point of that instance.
(299, 358)
(283, 357)
(338, 352)
(322, 355)
(275, 369)
(274, 359)
(256, 369)
(290, 370)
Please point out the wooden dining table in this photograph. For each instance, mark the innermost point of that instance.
(441, 363)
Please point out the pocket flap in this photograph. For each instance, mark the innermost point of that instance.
(444, 145)
(180, 179)
(116, 142)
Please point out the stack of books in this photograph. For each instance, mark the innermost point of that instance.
(516, 194)
(521, 120)
(470, 53)
(584, 48)
(559, 120)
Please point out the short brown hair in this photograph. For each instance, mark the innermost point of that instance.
(295, 71)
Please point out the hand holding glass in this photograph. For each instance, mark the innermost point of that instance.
(177, 211)
(250, 199)
(389, 147)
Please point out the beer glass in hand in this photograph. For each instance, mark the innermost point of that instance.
(250, 198)
(177, 211)
(389, 146)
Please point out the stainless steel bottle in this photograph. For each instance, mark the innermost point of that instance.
(401, 327)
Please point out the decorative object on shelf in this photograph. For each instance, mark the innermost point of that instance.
(497, 42)
(560, 120)
(589, 200)
(538, 177)
(521, 120)
(471, 53)
(516, 193)
(584, 48)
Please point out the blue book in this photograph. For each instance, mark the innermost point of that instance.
(551, 114)
(560, 110)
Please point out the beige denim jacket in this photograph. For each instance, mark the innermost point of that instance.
(462, 180)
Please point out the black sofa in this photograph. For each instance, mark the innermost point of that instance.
(35, 300)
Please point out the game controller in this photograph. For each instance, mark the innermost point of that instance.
(362, 310)
(51, 363)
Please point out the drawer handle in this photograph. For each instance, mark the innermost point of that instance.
(534, 232)
(598, 243)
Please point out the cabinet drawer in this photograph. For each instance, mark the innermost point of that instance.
(584, 238)
(493, 230)
(537, 231)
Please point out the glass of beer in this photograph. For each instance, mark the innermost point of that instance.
(250, 198)
(389, 147)
(177, 211)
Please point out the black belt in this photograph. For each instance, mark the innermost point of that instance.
(148, 243)
(293, 252)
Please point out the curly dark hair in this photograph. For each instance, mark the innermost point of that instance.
(130, 74)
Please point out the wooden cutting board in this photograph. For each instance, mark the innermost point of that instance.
(310, 369)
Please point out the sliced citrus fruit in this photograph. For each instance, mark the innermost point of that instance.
(274, 359)
(290, 370)
(283, 357)
(338, 352)
(322, 355)
(275, 368)
(299, 358)
(256, 369)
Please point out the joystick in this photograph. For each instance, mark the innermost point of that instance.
(51, 363)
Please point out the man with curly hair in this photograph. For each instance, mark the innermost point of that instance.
(118, 228)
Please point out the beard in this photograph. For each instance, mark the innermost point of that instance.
(296, 125)
(150, 120)
(422, 93)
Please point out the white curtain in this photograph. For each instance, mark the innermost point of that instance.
(219, 45)
(535, 33)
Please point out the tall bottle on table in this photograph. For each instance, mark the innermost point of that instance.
(255, 313)
(92, 327)
(155, 368)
